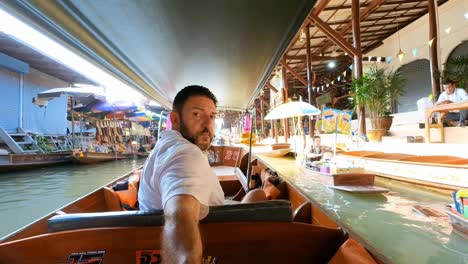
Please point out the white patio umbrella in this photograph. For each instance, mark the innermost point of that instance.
(292, 109)
(83, 95)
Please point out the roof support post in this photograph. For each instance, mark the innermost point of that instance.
(262, 126)
(357, 65)
(311, 93)
(285, 96)
(433, 48)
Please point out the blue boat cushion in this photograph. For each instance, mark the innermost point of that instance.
(268, 211)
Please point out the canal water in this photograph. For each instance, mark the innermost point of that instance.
(28, 195)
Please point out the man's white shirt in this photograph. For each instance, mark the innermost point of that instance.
(458, 96)
(175, 167)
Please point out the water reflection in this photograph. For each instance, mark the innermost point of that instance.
(387, 223)
(28, 195)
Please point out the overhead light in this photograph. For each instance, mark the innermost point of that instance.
(448, 30)
(400, 55)
(331, 65)
(346, 53)
(466, 15)
(334, 53)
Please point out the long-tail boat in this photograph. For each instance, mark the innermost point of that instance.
(231, 47)
(96, 157)
(439, 172)
(13, 162)
(96, 226)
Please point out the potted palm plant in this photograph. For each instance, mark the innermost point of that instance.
(457, 69)
(378, 90)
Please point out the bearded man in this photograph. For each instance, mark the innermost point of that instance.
(177, 177)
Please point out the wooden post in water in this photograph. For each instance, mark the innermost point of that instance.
(262, 125)
(285, 97)
(311, 94)
(433, 47)
(357, 65)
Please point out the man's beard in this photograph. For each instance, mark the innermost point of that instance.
(203, 146)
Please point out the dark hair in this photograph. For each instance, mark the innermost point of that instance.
(189, 91)
(316, 137)
(448, 81)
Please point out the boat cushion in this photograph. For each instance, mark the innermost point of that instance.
(269, 211)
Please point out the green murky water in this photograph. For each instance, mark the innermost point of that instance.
(28, 195)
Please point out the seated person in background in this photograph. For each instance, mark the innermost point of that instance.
(143, 149)
(120, 147)
(130, 148)
(454, 95)
(153, 143)
(317, 151)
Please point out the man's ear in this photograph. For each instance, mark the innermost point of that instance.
(175, 120)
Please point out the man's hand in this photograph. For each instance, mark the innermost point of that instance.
(181, 241)
(444, 102)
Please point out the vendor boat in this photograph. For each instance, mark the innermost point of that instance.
(96, 157)
(438, 172)
(13, 162)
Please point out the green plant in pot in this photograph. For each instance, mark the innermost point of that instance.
(378, 90)
(457, 69)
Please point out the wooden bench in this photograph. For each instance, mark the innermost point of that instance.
(442, 110)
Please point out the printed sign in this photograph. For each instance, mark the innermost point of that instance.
(92, 257)
(334, 120)
(148, 256)
(153, 256)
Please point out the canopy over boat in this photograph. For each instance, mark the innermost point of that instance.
(161, 46)
(83, 95)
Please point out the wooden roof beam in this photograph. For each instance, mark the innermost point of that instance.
(401, 9)
(371, 8)
(295, 74)
(399, 2)
(271, 87)
(333, 35)
(320, 7)
(314, 58)
(265, 102)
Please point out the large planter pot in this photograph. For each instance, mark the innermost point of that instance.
(382, 122)
(375, 135)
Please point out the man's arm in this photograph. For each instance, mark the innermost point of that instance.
(181, 241)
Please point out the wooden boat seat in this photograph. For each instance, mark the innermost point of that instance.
(269, 211)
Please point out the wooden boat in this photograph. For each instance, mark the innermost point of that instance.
(142, 154)
(443, 173)
(94, 228)
(96, 157)
(14, 162)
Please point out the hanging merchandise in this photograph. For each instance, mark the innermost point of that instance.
(336, 121)
(245, 136)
